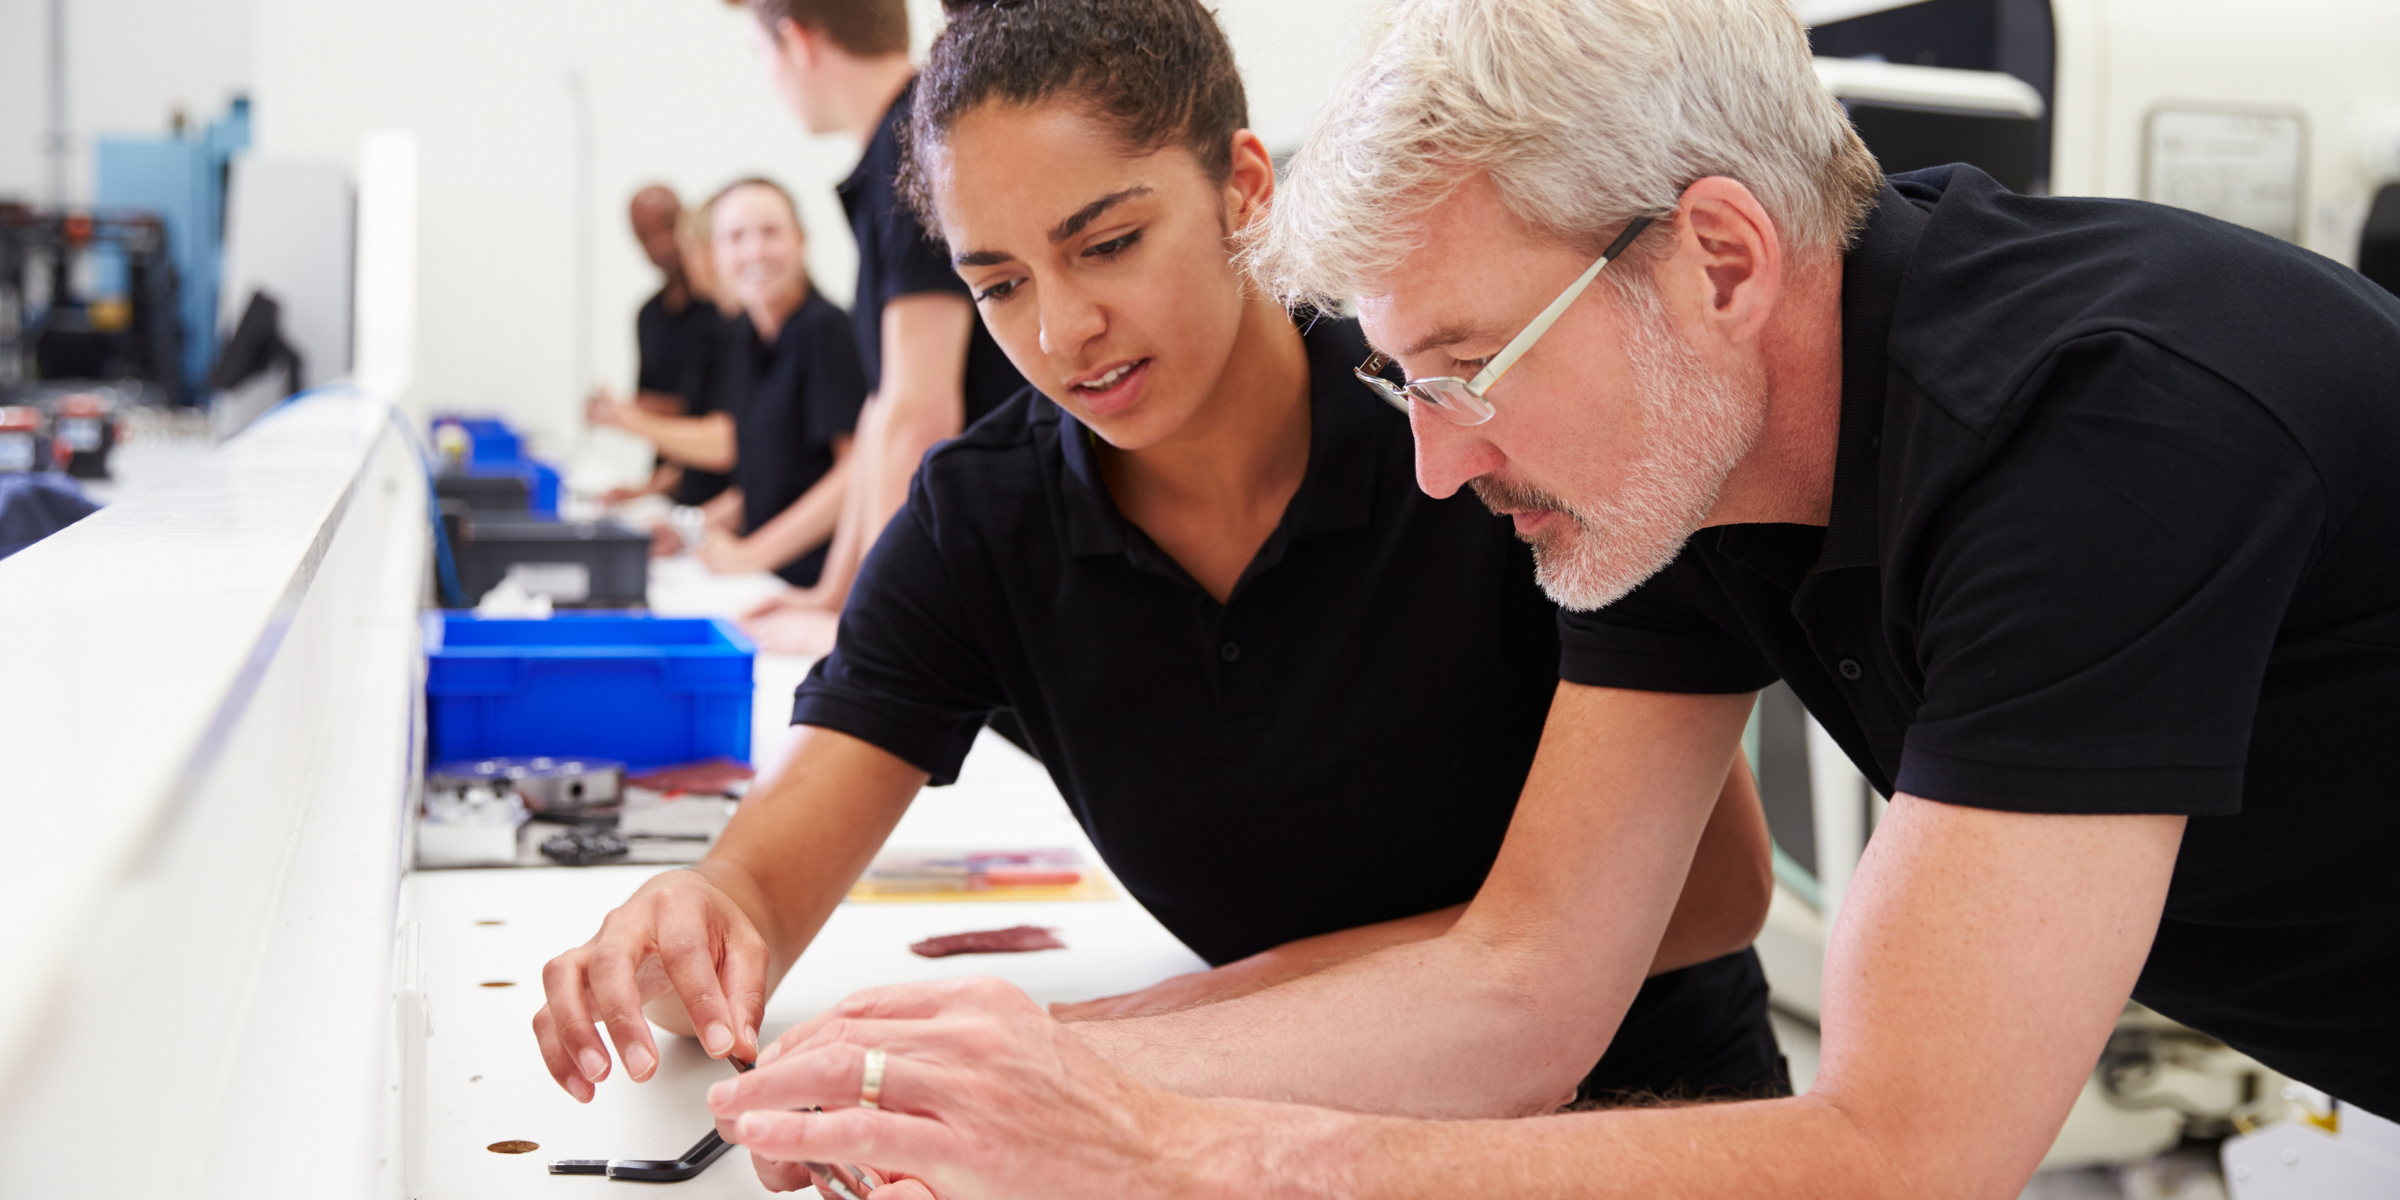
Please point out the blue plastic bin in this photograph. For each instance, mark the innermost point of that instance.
(490, 442)
(647, 691)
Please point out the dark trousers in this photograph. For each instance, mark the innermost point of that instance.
(1700, 1033)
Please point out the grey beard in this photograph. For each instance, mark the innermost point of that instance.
(1696, 425)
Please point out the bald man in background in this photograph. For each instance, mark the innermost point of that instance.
(677, 332)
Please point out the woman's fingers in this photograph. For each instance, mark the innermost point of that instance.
(744, 972)
(617, 1000)
(555, 1057)
(687, 949)
(567, 994)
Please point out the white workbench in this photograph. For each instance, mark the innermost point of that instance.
(482, 1081)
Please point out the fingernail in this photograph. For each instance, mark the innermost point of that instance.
(638, 1062)
(595, 1064)
(751, 1126)
(720, 1094)
(718, 1039)
(750, 1037)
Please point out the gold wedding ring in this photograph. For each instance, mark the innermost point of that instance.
(870, 1086)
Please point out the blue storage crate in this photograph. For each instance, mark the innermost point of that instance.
(647, 691)
(490, 442)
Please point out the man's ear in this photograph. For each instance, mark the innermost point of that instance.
(796, 42)
(1728, 261)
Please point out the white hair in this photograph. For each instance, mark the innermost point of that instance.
(1697, 422)
(1584, 114)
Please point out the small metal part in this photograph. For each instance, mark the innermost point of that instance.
(842, 1182)
(513, 1147)
(675, 1170)
(570, 789)
(584, 845)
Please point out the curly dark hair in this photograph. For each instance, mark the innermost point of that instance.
(1159, 71)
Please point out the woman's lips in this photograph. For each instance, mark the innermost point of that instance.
(1118, 396)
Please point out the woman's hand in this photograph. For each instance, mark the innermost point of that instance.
(728, 553)
(680, 933)
(982, 1095)
(803, 631)
(605, 409)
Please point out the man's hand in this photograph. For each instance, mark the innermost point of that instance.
(680, 933)
(983, 1095)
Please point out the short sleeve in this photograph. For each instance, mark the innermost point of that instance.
(653, 373)
(906, 673)
(1662, 637)
(2099, 607)
(913, 262)
(836, 386)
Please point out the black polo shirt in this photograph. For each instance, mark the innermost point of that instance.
(675, 346)
(793, 396)
(2113, 531)
(705, 380)
(1342, 742)
(897, 258)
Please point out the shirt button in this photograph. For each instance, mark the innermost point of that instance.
(1229, 651)
(1849, 668)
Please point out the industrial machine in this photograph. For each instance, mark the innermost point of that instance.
(181, 179)
(88, 295)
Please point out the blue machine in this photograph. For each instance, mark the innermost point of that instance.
(182, 179)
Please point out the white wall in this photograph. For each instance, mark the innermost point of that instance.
(677, 96)
(129, 64)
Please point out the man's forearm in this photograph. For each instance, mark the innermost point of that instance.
(1445, 1027)
(1503, 1013)
(1758, 1150)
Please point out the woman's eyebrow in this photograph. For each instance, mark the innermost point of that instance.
(1060, 232)
(1091, 212)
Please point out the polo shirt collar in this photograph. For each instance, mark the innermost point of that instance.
(1337, 491)
(1871, 276)
(869, 162)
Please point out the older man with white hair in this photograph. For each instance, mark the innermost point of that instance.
(2071, 520)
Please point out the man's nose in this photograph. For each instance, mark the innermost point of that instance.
(1448, 454)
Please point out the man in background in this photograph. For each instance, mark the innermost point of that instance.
(842, 66)
(677, 333)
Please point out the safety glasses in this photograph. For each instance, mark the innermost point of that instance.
(1462, 401)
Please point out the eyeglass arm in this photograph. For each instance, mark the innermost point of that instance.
(1517, 346)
